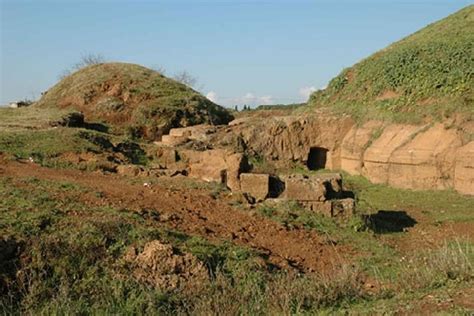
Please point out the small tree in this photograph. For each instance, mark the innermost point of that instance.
(186, 78)
(86, 60)
(159, 69)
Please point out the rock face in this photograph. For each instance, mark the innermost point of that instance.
(377, 157)
(429, 157)
(427, 161)
(355, 143)
(464, 169)
(293, 138)
(160, 266)
(255, 185)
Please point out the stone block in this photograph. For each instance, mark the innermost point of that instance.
(256, 185)
(343, 208)
(304, 188)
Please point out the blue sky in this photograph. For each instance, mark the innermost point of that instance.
(249, 52)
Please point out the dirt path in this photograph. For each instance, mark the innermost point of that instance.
(195, 212)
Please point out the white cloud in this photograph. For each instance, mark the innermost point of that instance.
(267, 99)
(305, 92)
(211, 95)
(249, 99)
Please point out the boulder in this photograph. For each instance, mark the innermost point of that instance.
(236, 164)
(255, 185)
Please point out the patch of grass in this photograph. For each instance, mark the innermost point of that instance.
(48, 146)
(454, 262)
(261, 165)
(441, 206)
(29, 118)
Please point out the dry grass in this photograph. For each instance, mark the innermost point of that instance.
(283, 293)
(454, 262)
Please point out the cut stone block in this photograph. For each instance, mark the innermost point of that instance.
(343, 208)
(304, 188)
(255, 185)
(324, 208)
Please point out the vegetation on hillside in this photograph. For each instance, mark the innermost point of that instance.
(429, 74)
(133, 99)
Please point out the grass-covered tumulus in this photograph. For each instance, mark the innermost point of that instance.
(132, 99)
(427, 75)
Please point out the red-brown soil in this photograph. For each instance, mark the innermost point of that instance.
(195, 212)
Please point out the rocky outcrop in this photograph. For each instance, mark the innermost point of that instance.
(429, 157)
(291, 138)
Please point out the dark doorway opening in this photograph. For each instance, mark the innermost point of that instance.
(317, 158)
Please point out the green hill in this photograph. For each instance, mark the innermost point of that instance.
(427, 75)
(134, 99)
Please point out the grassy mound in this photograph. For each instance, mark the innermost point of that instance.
(426, 75)
(131, 98)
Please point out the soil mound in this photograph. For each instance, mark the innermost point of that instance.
(133, 99)
(163, 267)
